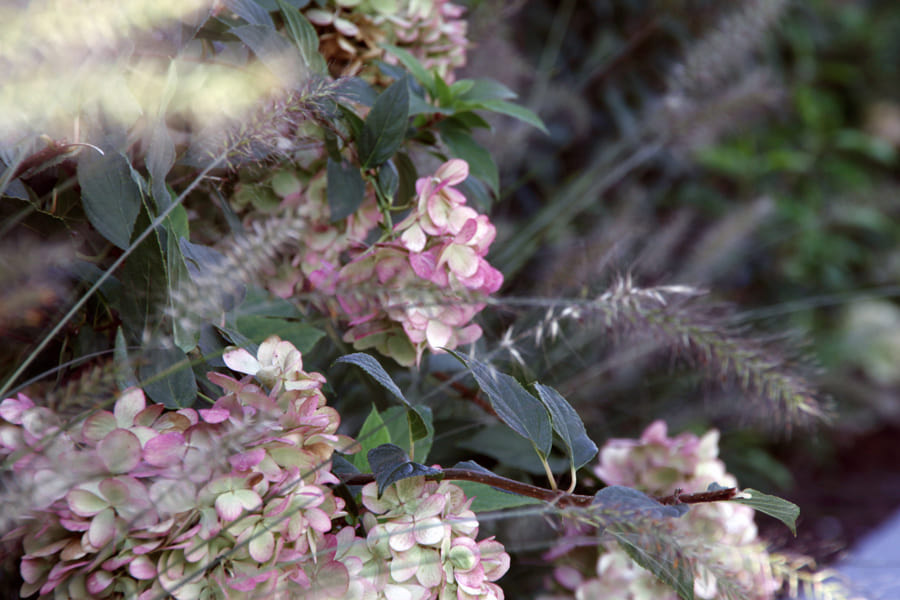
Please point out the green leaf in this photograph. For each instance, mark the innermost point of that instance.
(385, 127)
(111, 196)
(388, 179)
(179, 278)
(781, 509)
(346, 189)
(144, 285)
(391, 464)
(125, 377)
(258, 328)
(514, 110)
(167, 378)
(461, 145)
(486, 89)
(521, 411)
(250, 11)
(675, 573)
(406, 425)
(626, 500)
(406, 170)
(442, 91)
(376, 371)
(509, 449)
(372, 434)
(304, 35)
(568, 426)
(487, 498)
(413, 65)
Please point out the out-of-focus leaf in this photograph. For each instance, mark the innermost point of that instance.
(258, 328)
(413, 65)
(462, 145)
(514, 110)
(385, 127)
(391, 464)
(373, 433)
(304, 35)
(675, 573)
(568, 426)
(486, 89)
(628, 500)
(124, 369)
(111, 196)
(274, 51)
(167, 378)
(781, 509)
(509, 449)
(521, 411)
(250, 11)
(346, 189)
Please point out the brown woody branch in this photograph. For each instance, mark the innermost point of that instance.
(555, 497)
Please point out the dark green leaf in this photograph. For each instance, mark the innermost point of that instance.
(111, 196)
(372, 434)
(391, 464)
(125, 377)
(514, 110)
(781, 509)
(167, 378)
(442, 91)
(568, 426)
(145, 285)
(304, 35)
(258, 328)
(250, 11)
(481, 163)
(486, 89)
(674, 572)
(346, 189)
(477, 193)
(385, 127)
(355, 89)
(471, 120)
(376, 371)
(509, 449)
(185, 337)
(406, 170)
(458, 88)
(513, 404)
(487, 498)
(388, 179)
(627, 500)
(413, 65)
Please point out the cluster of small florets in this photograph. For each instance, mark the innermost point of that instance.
(423, 289)
(144, 501)
(228, 501)
(421, 539)
(351, 33)
(659, 465)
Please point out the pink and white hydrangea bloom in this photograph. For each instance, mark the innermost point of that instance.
(425, 533)
(239, 489)
(658, 465)
(429, 283)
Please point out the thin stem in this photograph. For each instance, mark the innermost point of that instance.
(532, 491)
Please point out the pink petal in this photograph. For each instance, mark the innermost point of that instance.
(453, 171)
(142, 568)
(84, 503)
(437, 334)
(241, 361)
(214, 415)
(103, 528)
(98, 581)
(127, 407)
(120, 451)
(247, 460)
(165, 449)
(98, 425)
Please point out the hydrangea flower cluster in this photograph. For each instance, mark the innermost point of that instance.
(658, 465)
(352, 33)
(147, 502)
(430, 281)
(421, 536)
(228, 501)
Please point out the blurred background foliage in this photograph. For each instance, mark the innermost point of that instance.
(749, 148)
